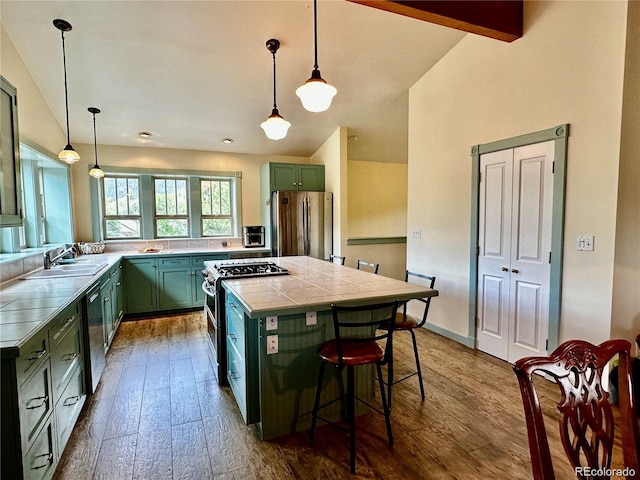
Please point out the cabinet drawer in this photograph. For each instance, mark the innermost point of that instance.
(173, 262)
(34, 352)
(235, 326)
(200, 259)
(35, 402)
(61, 324)
(69, 406)
(66, 356)
(40, 460)
(237, 379)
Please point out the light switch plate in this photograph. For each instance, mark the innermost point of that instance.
(272, 323)
(272, 344)
(312, 318)
(416, 233)
(585, 243)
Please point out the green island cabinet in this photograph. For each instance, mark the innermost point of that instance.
(43, 391)
(276, 391)
(293, 176)
(165, 282)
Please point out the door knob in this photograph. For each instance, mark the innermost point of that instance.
(504, 269)
(515, 270)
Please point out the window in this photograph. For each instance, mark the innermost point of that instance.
(132, 202)
(171, 207)
(215, 199)
(121, 200)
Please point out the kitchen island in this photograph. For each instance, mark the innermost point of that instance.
(274, 325)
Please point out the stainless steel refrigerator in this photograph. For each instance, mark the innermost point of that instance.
(302, 223)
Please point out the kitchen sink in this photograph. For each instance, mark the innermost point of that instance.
(71, 270)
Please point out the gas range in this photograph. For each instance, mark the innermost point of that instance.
(241, 269)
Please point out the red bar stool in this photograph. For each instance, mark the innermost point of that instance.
(356, 344)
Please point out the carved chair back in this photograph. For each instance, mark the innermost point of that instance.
(586, 416)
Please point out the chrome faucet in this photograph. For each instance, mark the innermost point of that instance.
(50, 262)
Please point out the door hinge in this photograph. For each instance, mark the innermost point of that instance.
(546, 344)
(553, 167)
(477, 250)
(479, 177)
(549, 257)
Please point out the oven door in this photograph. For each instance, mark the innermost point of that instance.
(214, 331)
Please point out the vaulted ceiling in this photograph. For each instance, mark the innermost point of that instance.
(195, 72)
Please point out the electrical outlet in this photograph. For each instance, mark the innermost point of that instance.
(272, 344)
(272, 323)
(312, 318)
(585, 243)
(416, 233)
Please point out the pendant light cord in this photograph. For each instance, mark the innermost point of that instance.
(95, 140)
(274, 79)
(66, 96)
(315, 33)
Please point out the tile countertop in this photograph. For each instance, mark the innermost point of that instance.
(26, 306)
(313, 285)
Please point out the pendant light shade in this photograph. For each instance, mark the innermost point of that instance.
(96, 171)
(275, 127)
(316, 94)
(68, 154)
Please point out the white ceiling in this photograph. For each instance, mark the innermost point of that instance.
(195, 72)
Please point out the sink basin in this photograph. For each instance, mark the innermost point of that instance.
(71, 270)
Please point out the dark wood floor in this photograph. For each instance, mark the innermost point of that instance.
(159, 414)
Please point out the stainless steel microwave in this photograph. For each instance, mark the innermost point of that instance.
(253, 236)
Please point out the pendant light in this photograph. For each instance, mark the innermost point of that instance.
(316, 94)
(275, 127)
(96, 171)
(68, 154)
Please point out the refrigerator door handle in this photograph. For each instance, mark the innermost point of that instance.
(305, 225)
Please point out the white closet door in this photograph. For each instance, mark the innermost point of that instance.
(495, 252)
(530, 249)
(516, 199)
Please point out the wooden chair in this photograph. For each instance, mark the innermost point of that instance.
(356, 344)
(363, 265)
(340, 260)
(406, 323)
(586, 417)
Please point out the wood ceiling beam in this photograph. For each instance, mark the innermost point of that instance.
(499, 19)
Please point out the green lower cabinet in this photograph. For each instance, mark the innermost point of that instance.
(140, 278)
(174, 288)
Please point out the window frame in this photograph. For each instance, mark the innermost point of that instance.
(147, 200)
(157, 216)
(104, 218)
(204, 217)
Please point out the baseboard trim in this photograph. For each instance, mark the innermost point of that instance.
(467, 341)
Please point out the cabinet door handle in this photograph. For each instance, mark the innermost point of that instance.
(515, 270)
(233, 337)
(117, 284)
(106, 299)
(234, 375)
(71, 401)
(49, 460)
(504, 269)
(69, 356)
(233, 305)
(43, 402)
(39, 354)
(69, 320)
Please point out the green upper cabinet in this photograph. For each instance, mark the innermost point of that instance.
(292, 176)
(10, 193)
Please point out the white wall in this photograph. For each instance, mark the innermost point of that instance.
(625, 313)
(36, 123)
(333, 155)
(567, 68)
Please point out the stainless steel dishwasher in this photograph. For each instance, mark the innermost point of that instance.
(94, 335)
